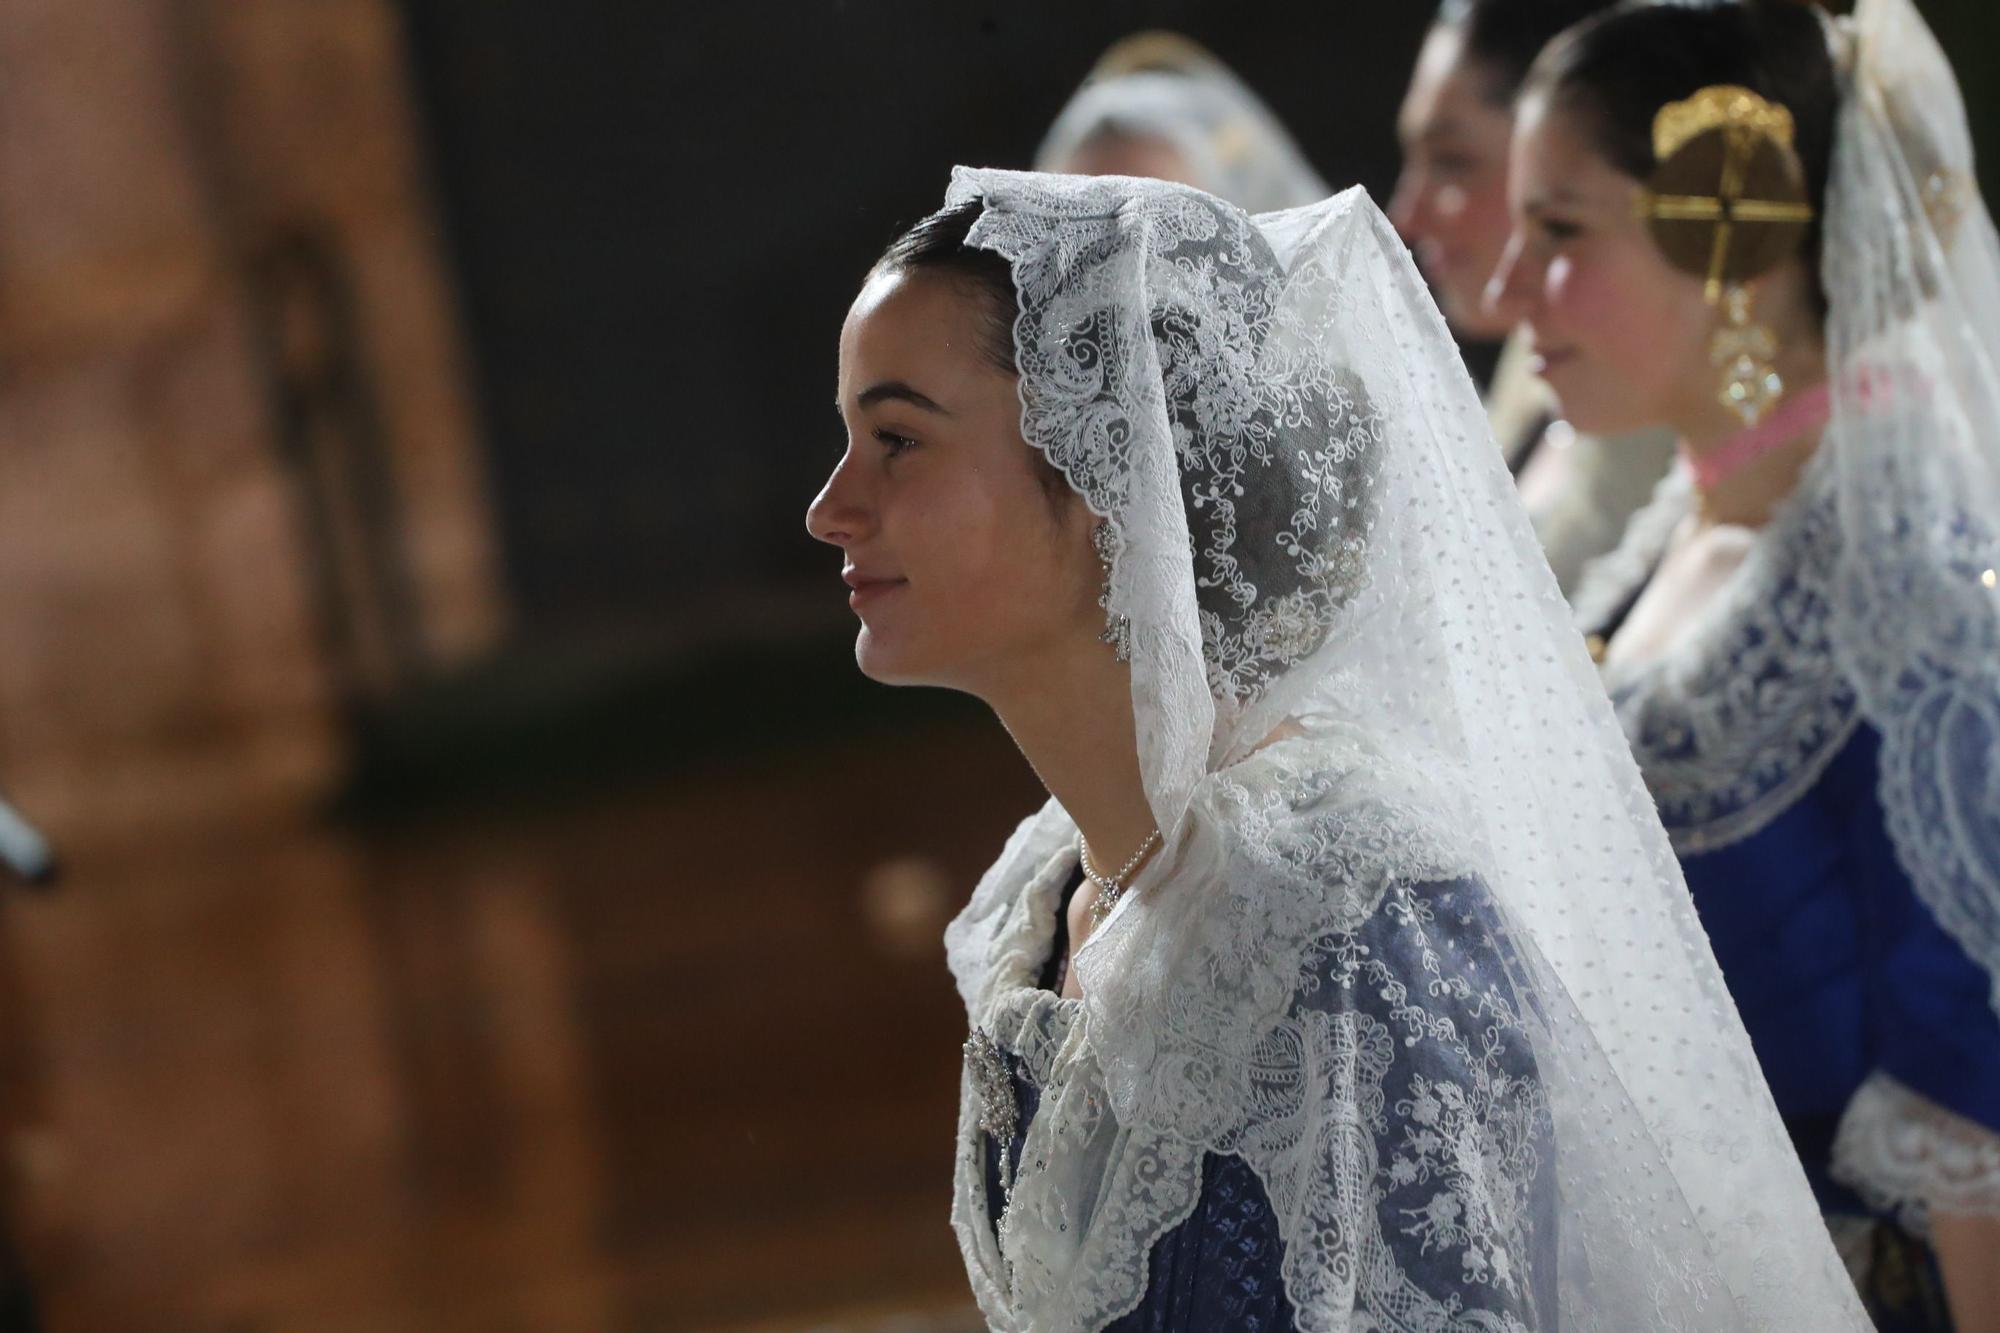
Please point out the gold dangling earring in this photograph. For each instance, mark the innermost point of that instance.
(1744, 351)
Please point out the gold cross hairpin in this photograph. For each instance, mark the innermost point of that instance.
(1745, 119)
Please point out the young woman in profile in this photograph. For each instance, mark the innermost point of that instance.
(1347, 980)
(1759, 227)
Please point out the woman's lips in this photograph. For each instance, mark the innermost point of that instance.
(867, 588)
(869, 592)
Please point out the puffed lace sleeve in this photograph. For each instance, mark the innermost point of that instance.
(1907, 1154)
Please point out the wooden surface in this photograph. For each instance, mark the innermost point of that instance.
(674, 1059)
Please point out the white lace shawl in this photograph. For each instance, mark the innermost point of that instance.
(1322, 986)
(1738, 720)
(1736, 723)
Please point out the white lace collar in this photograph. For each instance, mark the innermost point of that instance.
(1738, 719)
(1193, 1035)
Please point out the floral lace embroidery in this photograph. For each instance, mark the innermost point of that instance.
(1390, 1106)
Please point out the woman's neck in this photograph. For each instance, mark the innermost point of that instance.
(1748, 493)
(1073, 720)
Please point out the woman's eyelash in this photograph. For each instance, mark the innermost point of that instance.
(893, 442)
(1560, 230)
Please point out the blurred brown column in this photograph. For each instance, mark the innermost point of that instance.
(239, 480)
(240, 498)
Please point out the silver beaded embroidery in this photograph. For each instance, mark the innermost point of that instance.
(999, 1116)
(994, 1082)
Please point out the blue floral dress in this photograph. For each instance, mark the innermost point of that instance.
(1875, 1029)
(1221, 1269)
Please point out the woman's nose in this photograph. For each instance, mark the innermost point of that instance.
(837, 514)
(1509, 294)
(1405, 204)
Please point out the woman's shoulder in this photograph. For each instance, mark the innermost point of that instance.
(1339, 808)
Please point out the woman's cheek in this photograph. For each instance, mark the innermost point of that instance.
(1566, 293)
(1486, 213)
(1596, 312)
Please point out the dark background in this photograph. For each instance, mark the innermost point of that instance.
(661, 213)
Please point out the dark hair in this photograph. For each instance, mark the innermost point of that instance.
(1504, 36)
(1617, 70)
(938, 245)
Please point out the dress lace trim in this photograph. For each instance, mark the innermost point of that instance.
(1355, 1040)
(1910, 1157)
(1740, 718)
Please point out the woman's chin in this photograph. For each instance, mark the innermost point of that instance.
(1592, 415)
(887, 662)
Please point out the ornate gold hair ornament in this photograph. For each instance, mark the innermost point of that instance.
(1727, 199)
(1720, 106)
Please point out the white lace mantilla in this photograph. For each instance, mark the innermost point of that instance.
(1740, 717)
(1349, 1012)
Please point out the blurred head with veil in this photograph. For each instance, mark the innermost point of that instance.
(1756, 225)
(1347, 978)
(1162, 105)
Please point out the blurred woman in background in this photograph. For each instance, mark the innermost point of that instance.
(1347, 979)
(1162, 105)
(1450, 204)
(1758, 227)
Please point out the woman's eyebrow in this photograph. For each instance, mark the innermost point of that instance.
(898, 391)
(1559, 199)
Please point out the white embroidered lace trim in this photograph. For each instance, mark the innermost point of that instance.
(1740, 717)
(1908, 1156)
(1321, 1023)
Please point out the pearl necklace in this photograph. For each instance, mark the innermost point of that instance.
(1110, 888)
